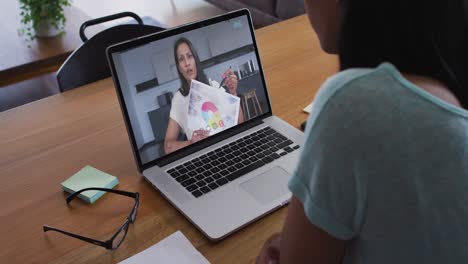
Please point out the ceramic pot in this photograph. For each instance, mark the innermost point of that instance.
(45, 29)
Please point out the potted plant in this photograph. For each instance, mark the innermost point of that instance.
(42, 18)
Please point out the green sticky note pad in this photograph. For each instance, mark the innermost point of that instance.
(89, 177)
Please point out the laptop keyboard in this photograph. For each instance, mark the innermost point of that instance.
(231, 161)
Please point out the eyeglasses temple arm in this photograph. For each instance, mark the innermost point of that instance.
(87, 239)
(129, 194)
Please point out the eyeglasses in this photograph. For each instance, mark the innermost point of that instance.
(115, 241)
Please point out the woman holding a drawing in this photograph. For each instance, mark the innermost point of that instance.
(189, 68)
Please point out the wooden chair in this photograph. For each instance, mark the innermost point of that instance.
(88, 63)
(256, 108)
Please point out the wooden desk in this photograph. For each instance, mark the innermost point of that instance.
(18, 61)
(45, 142)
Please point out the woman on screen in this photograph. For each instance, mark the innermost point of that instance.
(189, 68)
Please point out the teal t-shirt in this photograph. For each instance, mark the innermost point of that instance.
(385, 166)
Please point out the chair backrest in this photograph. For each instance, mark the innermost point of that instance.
(88, 63)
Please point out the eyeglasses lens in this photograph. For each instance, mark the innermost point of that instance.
(134, 212)
(120, 237)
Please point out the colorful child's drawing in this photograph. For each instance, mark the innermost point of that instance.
(211, 115)
(211, 109)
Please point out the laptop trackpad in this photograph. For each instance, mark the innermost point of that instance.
(268, 186)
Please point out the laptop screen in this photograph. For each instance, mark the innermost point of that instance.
(189, 84)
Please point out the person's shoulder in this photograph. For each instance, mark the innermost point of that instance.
(177, 97)
(348, 86)
(178, 94)
(344, 78)
(353, 96)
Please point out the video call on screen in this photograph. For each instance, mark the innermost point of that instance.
(156, 82)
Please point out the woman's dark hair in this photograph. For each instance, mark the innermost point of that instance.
(201, 77)
(424, 37)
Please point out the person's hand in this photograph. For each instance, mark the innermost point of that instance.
(198, 135)
(270, 253)
(230, 81)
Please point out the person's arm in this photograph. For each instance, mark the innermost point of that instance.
(301, 241)
(240, 119)
(172, 144)
(170, 141)
(231, 82)
(304, 242)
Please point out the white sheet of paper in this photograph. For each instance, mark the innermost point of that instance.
(175, 248)
(211, 109)
(308, 108)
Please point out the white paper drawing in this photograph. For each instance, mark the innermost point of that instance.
(211, 109)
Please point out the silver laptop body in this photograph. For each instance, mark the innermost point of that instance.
(145, 76)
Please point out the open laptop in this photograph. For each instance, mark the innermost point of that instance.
(232, 176)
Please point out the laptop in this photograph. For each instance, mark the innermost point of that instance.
(237, 169)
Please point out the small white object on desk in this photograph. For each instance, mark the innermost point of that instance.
(175, 248)
(308, 108)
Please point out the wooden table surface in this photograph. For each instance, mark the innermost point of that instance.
(45, 142)
(21, 59)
